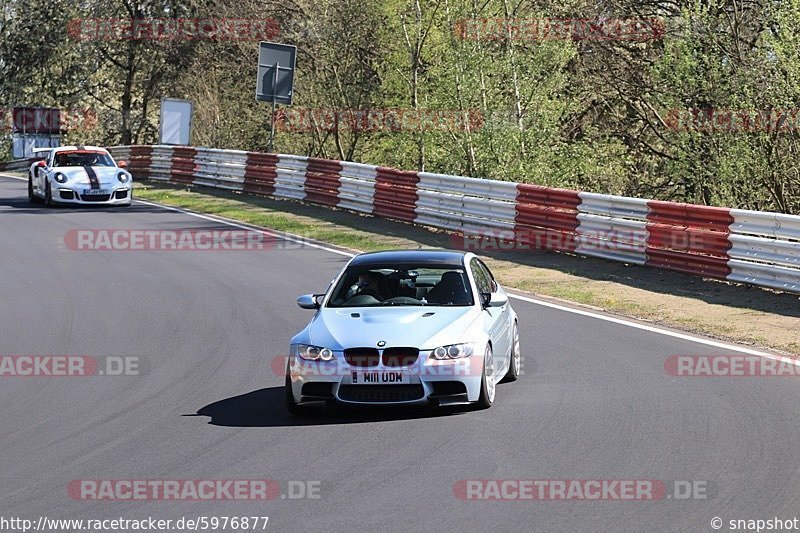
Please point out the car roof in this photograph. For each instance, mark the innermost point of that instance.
(391, 257)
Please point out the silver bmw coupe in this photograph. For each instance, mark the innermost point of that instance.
(405, 327)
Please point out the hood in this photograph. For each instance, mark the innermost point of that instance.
(80, 175)
(422, 327)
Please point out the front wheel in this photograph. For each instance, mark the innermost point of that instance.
(488, 386)
(32, 198)
(48, 196)
(515, 362)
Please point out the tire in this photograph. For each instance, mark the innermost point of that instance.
(516, 359)
(32, 198)
(48, 196)
(488, 387)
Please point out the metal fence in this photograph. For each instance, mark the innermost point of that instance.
(753, 247)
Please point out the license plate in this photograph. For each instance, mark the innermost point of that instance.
(381, 377)
(92, 192)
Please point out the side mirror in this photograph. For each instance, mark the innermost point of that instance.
(122, 164)
(310, 301)
(486, 298)
(41, 164)
(494, 299)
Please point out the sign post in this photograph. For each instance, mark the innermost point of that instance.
(272, 115)
(275, 80)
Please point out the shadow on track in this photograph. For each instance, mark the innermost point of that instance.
(266, 408)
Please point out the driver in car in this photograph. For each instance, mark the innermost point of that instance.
(370, 283)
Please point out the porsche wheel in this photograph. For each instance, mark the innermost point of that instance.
(32, 198)
(48, 196)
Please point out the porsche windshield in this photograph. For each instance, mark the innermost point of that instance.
(83, 159)
(378, 285)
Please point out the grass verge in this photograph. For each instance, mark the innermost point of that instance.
(739, 313)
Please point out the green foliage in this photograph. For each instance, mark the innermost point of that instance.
(592, 114)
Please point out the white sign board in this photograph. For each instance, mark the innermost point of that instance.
(22, 145)
(176, 122)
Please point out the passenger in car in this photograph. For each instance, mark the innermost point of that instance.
(450, 290)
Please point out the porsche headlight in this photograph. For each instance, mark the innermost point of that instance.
(452, 351)
(59, 177)
(122, 177)
(313, 353)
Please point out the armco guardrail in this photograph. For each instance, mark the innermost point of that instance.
(753, 247)
(18, 165)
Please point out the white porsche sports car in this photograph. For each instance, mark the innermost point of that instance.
(405, 327)
(79, 175)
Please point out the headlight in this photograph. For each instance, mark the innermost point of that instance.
(453, 351)
(122, 177)
(313, 353)
(59, 177)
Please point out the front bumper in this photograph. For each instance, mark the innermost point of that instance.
(76, 194)
(427, 381)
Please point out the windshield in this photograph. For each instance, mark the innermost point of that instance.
(83, 159)
(406, 285)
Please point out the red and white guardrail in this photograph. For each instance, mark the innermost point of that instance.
(759, 248)
(17, 165)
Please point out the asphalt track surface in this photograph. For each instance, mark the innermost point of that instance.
(594, 403)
